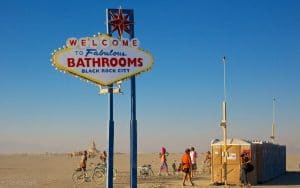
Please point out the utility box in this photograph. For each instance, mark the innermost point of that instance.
(235, 147)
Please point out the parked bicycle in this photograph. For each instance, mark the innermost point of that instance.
(175, 170)
(205, 169)
(101, 169)
(79, 176)
(96, 174)
(145, 171)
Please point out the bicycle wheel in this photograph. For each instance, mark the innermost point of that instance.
(98, 176)
(114, 173)
(89, 174)
(78, 177)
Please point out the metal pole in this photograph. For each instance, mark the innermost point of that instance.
(133, 121)
(133, 137)
(225, 155)
(273, 123)
(224, 121)
(110, 146)
(133, 125)
(224, 62)
(110, 133)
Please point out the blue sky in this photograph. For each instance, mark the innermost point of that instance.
(178, 101)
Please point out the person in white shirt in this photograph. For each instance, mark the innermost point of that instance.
(194, 157)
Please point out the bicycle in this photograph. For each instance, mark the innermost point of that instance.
(99, 173)
(205, 169)
(176, 170)
(79, 176)
(145, 170)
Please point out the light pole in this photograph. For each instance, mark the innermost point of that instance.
(273, 122)
(224, 126)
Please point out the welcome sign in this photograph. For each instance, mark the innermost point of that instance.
(102, 59)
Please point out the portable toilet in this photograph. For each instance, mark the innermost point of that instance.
(271, 161)
(235, 147)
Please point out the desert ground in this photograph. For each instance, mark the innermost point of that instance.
(55, 171)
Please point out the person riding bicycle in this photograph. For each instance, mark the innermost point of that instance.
(83, 161)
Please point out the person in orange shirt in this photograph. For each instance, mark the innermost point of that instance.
(186, 166)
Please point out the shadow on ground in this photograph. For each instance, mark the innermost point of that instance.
(290, 178)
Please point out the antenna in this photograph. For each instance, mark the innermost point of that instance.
(224, 126)
(224, 62)
(273, 122)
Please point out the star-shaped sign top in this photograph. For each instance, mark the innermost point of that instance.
(120, 22)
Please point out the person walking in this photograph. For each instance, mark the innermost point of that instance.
(186, 167)
(194, 156)
(163, 161)
(207, 163)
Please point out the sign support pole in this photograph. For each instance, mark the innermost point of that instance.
(110, 146)
(133, 124)
(133, 137)
(110, 129)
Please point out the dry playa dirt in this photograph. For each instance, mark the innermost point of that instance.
(55, 171)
